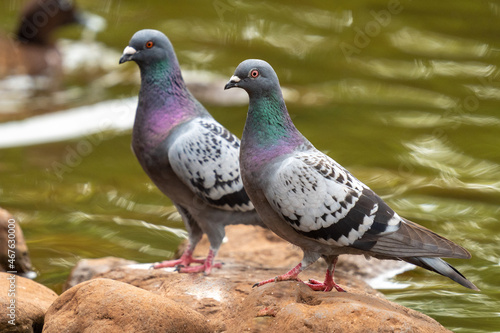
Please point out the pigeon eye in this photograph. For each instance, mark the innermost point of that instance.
(254, 73)
(150, 44)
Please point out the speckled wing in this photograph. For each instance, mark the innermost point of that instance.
(205, 156)
(323, 201)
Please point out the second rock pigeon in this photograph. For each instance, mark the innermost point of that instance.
(189, 156)
(310, 200)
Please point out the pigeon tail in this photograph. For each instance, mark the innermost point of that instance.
(440, 266)
(413, 239)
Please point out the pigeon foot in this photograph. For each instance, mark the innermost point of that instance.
(324, 286)
(315, 285)
(185, 260)
(291, 275)
(205, 268)
(183, 263)
(329, 284)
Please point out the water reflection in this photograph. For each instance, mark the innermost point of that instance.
(420, 119)
(485, 92)
(453, 165)
(432, 44)
(419, 69)
(378, 92)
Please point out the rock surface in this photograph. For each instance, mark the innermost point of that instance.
(107, 306)
(22, 261)
(227, 301)
(85, 269)
(31, 302)
(296, 308)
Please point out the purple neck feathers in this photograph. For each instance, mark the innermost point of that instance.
(164, 103)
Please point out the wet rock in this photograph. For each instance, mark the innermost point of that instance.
(103, 305)
(21, 261)
(294, 307)
(221, 295)
(251, 254)
(226, 298)
(23, 302)
(85, 269)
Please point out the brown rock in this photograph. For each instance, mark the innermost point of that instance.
(31, 302)
(252, 254)
(103, 305)
(294, 307)
(85, 269)
(227, 299)
(22, 261)
(217, 296)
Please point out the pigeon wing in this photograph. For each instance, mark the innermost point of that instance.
(205, 156)
(322, 200)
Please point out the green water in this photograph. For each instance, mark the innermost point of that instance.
(404, 94)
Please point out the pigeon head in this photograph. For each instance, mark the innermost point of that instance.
(147, 47)
(256, 77)
(268, 124)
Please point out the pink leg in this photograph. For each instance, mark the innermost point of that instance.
(185, 260)
(206, 266)
(316, 285)
(329, 284)
(290, 275)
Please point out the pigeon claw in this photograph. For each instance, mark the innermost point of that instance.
(205, 268)
(324, 286)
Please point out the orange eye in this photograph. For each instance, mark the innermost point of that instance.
(254, 73)
(150, 44)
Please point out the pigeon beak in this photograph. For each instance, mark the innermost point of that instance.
(128, 54)
(233, 82)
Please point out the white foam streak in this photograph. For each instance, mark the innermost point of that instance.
(64, 125)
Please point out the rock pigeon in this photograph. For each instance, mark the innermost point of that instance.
(310, 200)
(189, 156)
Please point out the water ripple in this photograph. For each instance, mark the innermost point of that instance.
(456, 169)
(410, 40)
(424, 69)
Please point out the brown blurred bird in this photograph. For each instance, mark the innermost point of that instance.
(31, 49)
